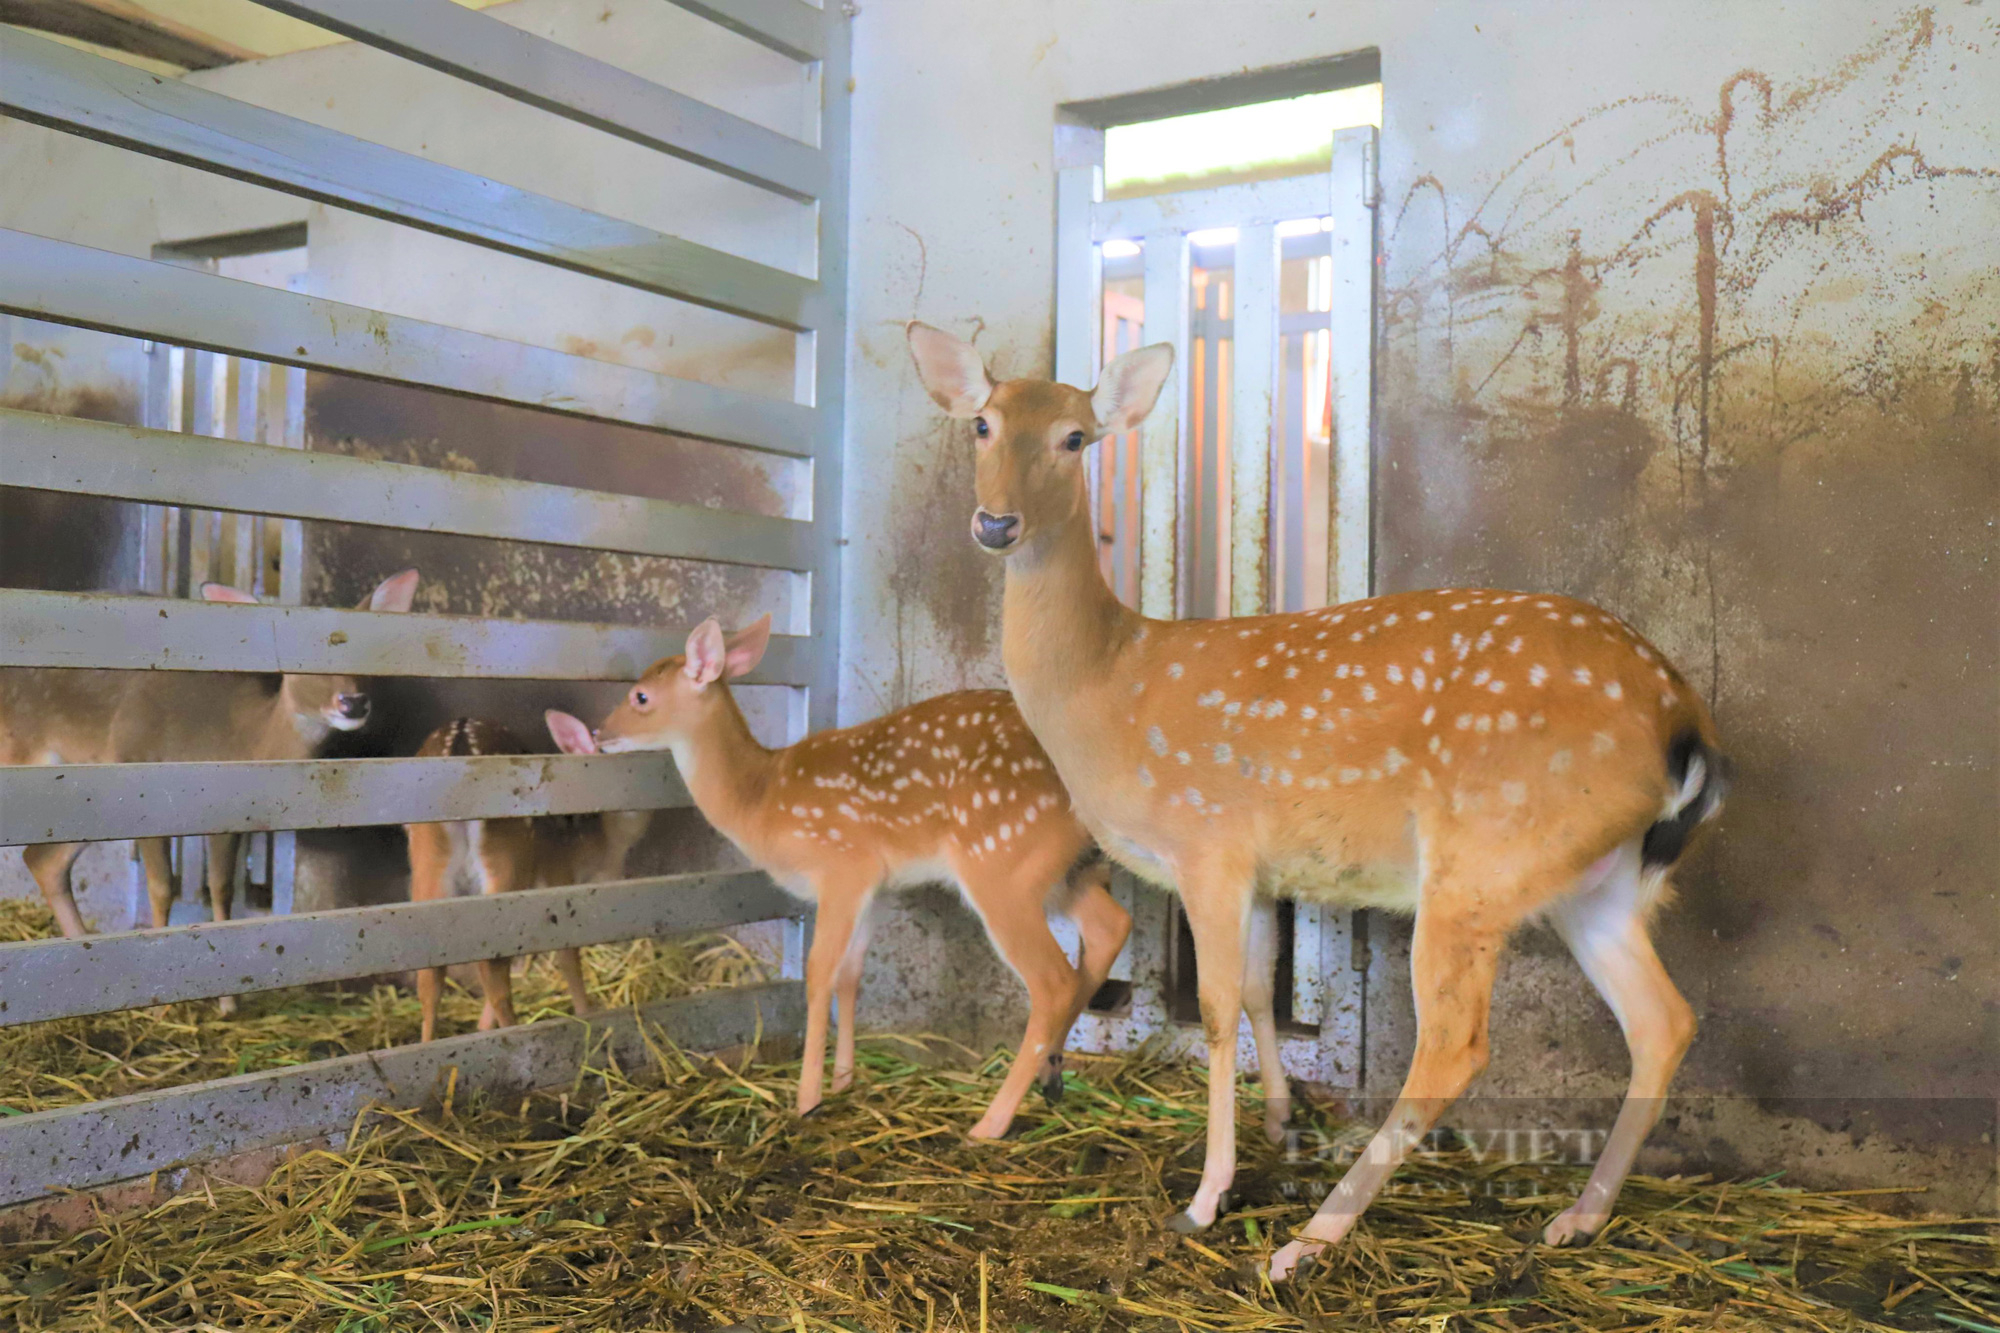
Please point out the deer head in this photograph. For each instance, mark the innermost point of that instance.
(337, 702)
(1031, 434)
(678, 692)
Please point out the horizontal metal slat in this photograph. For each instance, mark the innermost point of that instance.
(1244, 205)
(785, 26)
(97, 1143)
(51, 84)
(74, 284)
(103, 802)
(63, 629)
(164, 467)
(480, 49)
(49, 979)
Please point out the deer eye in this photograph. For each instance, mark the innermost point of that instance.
(640, 699)
(1074, 442)
(980, 428)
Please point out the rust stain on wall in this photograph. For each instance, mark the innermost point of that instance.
(1730, 366)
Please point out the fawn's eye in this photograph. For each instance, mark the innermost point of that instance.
(980, 428)
(640, 698)
(1074, 442)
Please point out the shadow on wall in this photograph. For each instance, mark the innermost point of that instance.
(1731, 370)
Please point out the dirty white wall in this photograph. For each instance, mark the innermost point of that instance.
(1689, 310)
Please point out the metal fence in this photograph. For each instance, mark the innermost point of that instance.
(189, 306)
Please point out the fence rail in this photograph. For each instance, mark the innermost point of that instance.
(99, 802)
(97, 1143)
(166, 467)
(95, 289)
(50, 84)
(482, 50)
(66, 629)
(50, 979)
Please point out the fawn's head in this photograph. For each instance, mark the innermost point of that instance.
(677, 692)
(337, 702)
(1031, 434)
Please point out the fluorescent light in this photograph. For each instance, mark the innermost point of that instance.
(1120, 249)
(1304, 226)
(1213, 236)
(1294, 132)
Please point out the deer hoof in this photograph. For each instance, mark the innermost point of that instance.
(1051, 1086)
(1185, 1223)
(1295, 1260)
(1571, 1227)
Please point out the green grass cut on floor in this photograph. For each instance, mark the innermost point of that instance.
(694, 1200)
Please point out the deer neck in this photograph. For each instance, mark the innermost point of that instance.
(1063, 629)
(727, 771)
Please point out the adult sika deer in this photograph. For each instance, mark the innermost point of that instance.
(54, 715)
(1479, 758)
(503, 855)
(953, 790)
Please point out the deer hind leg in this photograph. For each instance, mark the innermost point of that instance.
(841, 903)
(1102, 926)
(1605, 928)
(1260, 976)
(224, 854)
(430, 880)
(570, 963)
(49, 863)
(1017, 922)
(504, 850)
(1216, 895)
(1452, 964)
(156, 855)
(846, 994)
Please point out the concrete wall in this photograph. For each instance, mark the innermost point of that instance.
(1690, 310)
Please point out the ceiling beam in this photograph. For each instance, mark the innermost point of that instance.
(122, 26)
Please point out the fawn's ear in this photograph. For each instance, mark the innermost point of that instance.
(222, 592)
(571, 736)
(951, 370)
(1130, 386)
(707, 655)
(394, 593)
(746, 647)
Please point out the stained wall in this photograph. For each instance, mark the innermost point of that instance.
(1688, 309)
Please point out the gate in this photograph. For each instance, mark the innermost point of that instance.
(219, 467)
(1246, 491)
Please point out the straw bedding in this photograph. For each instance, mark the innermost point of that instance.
(691, 1199)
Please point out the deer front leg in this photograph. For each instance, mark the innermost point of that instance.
(49, 863)
(430, 864)
(846, 992)
(224, 856)
(833, 926)
(1452, 963)
(1216, 895)
(1020, 930)
(570, 963)
(1260, 969)
(157, 857)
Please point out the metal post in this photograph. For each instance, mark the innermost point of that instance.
(1353, 356)
(1161, 448)
(1253, 390)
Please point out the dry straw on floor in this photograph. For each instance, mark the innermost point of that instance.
(692, 1199)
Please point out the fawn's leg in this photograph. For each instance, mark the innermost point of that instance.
(430, 870)
(504, 850)
(1606, 930)
(1010, 900)
(841, 899)
(156, 856)
(49, 863)
(846, 991)
(570, 963)
(224, 853)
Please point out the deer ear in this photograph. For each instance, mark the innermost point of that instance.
(571, 736)
(746, 647)
(951, 370)
(1130, 386)
(394, 593)
(706, 653)
(222, 592)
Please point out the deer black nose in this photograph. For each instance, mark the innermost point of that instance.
(994, 531)
(351, 705)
